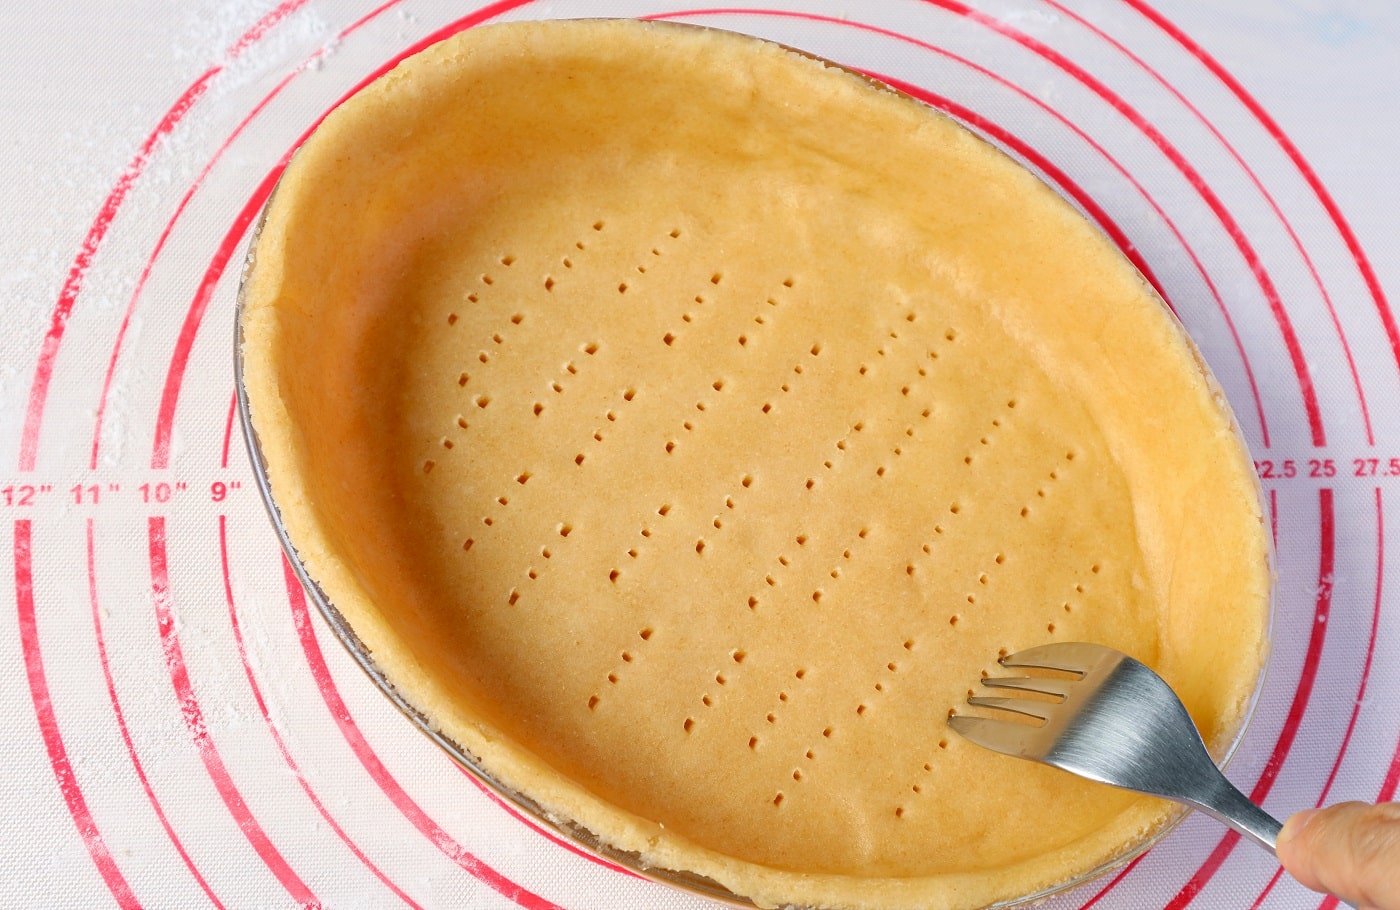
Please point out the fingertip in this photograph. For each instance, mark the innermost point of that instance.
(1295, 825)
(1292, 852)
(1347, 849)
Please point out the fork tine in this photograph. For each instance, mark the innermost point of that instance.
(1036, 709)
(997, 735)
(1041, 684)
(1070, 657)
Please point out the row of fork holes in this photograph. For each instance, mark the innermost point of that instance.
(669, 338)
(508, 260)
(664, 509)
(566, 261)
(892, 666)
(707, 701)
(771, 580)
(738, 656)
(800, 540)
(482, 401)
(645, 634)
(718, 386)
(827, 733)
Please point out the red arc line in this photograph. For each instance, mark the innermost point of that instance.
(1361, 687)
(77, 272)
(180, 210)
(1263, 191)
(122, 728)
(145, 275)
(1358, 255)
(410, 809)
(1384, 795)
(184, 342)
(68, 784)
(1198, 183)
(97, 232)
(263, 26)
(1392, 778)
(199, 732)
(1311, 659)
(277, 736)
(228, 428)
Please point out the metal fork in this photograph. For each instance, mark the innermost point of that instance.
(1117, 722)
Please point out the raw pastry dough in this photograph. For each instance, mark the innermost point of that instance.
(684, 423)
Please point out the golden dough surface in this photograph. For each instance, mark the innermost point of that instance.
(685, 424)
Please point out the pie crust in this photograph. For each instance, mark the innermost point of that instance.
(683, 423)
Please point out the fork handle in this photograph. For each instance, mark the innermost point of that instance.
(1227, 804)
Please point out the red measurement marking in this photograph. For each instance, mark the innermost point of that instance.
(157, 492)
(23, 494)
(160, 492)
(1375, 467)
(48, 724)
(218, 490)
(1276, 470)
(88, 495)
(1326, 468)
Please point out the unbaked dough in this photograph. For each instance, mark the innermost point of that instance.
(684, 423)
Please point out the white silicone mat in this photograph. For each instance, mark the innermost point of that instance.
(179, 732)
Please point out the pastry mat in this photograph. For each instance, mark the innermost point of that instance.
(180, 732)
